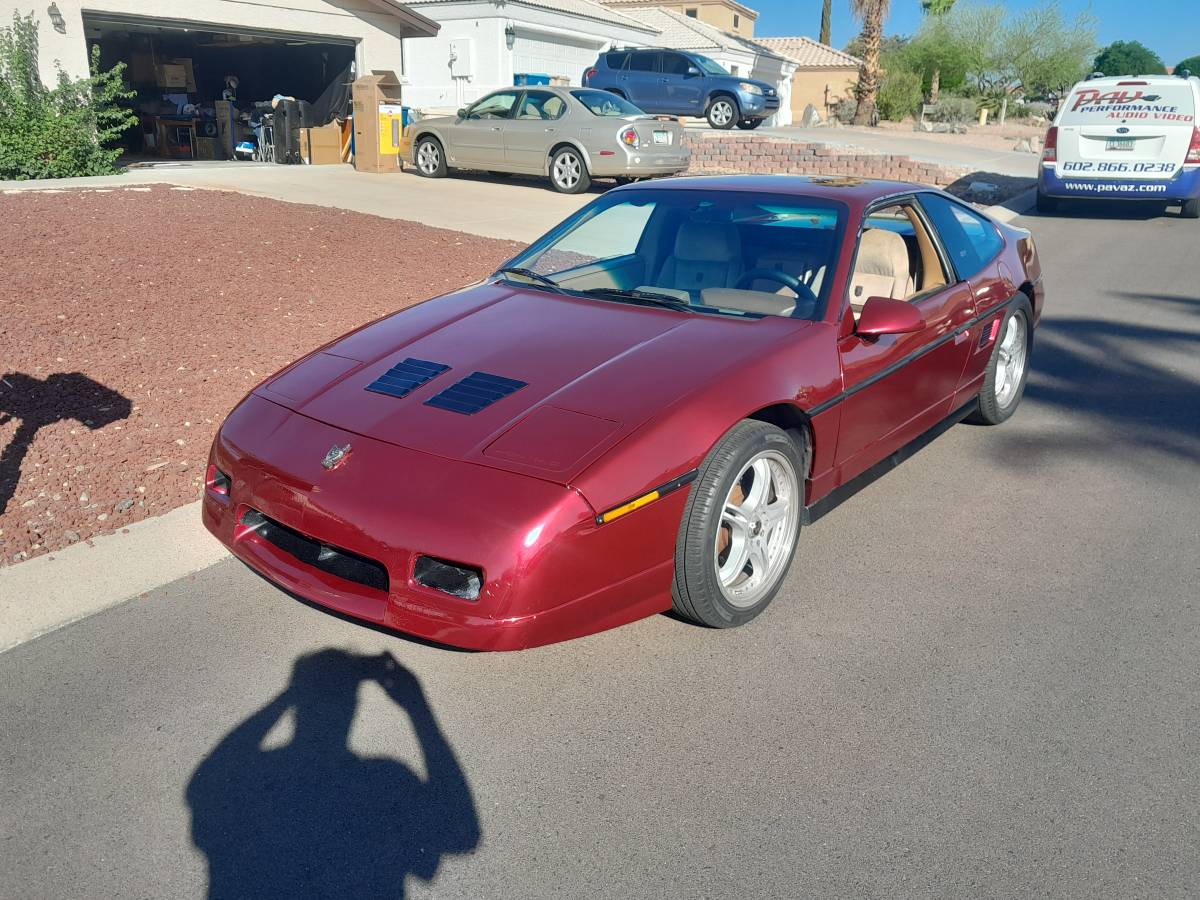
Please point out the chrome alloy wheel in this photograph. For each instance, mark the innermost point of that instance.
(429, 158)
(722, 113)
(1010, 365)
(568, 169)
(759, 521)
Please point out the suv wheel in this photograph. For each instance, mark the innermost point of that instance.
(722, 112)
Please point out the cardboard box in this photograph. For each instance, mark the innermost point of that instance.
(369, 93)
(172, 76)
(188, 73)
(324, 144)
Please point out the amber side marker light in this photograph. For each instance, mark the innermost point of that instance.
(649, 497)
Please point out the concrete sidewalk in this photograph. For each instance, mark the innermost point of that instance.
(516, 208)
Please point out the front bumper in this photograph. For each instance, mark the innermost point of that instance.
(1183, 186)
(757, 106)
(550, 573)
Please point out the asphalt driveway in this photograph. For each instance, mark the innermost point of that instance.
(980, 680)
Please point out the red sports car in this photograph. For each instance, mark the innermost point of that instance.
(640, 411)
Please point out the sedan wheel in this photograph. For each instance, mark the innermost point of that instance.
(740, 528)
(1004, 378)
(568, 172)
(722, 113)
(430, 161)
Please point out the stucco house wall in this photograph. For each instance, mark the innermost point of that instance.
(809, 86)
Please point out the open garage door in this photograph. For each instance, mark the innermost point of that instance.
(198, 86)
(553, 55)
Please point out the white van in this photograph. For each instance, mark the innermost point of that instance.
(1133, 138)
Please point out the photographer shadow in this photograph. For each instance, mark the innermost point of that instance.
(311, 817)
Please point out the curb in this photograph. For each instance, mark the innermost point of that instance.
(47, 592)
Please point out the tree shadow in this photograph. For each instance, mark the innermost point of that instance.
(40, 402)
(312, 818)
(1119, 376)
(1009, 188)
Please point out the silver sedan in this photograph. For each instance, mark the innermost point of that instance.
(570, 135)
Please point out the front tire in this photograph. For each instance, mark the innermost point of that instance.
(740, 527)
(1190, 209)
(722, 113)
(431, 159)
(1004, 378)
(568, 171)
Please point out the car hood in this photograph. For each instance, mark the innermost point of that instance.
(593, 371)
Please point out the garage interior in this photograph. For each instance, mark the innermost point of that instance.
(204, 94)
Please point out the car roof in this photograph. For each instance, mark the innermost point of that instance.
(849, 189)
(1115, 80)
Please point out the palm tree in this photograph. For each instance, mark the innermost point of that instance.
(827, 22)
(871, 13)
(936, 8)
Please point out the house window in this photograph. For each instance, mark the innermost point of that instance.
(737, 21)
(692, 13)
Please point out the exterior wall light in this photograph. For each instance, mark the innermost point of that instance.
(510, 35)
(56, 18)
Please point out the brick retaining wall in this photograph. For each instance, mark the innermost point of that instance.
(714, 152)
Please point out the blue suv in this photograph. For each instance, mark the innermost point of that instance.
(678, 83)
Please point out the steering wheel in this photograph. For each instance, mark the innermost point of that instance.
(794, 284)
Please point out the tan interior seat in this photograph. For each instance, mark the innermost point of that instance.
(807, 265)
(881, 269)
(706, 255)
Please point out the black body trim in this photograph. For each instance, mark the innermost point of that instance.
(912, 357)
(840, 495)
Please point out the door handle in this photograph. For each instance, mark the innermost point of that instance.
(550, 130)
(495, 128)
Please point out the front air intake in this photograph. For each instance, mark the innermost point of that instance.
(477, 391)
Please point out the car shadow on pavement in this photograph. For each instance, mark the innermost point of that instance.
(313, 818)
(37, 403)
(1119, 376)
(1127, 210)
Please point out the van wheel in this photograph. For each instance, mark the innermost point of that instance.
(722, 113)
(1190, 209)
(749, 124)
(1046, 204)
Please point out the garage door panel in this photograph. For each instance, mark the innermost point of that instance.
(553, 55)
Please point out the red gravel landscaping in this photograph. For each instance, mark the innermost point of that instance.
(131, 322)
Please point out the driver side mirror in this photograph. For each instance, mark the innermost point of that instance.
(462, 113)
(693, 72)
(883, 315)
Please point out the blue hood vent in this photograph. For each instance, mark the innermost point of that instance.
(477, 391)
(405, 377)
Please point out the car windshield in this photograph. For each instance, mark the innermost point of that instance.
(719, 252)
(602, 103)
(709, 67)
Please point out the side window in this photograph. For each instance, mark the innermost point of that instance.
(896, 258)
(616, 59)
(643, 61)
(969, 238)
(675, 64)
(541, 105)
(497, 106)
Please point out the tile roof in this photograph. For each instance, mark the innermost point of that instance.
(809, 53)
(681, 32)
(587, 9)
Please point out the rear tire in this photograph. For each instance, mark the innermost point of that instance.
(431, 159)
(722, 112)
(749, 124)
(1190, 209)
(568, 172)
(740, 527)
(1046, 204)
(1007, 370)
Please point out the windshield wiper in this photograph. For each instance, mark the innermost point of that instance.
(652, 298)
(532, 276)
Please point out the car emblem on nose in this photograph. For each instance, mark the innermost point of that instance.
(336, 456)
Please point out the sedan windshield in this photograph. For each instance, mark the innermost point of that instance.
(602, 103)
(720, 252)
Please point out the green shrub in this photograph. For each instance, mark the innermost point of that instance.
(60, 132)
(900, 94)
(845, 110)
(956, 110)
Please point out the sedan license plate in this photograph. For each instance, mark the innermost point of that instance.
(1121, 143)
(662, 137)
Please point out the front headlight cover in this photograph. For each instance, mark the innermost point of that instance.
(750, 88)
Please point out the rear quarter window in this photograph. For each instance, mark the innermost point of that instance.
(1169, 104)
(970, 239)
(616, 59)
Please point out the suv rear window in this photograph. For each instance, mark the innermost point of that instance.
(616, 59)
(643, 61)
(1145, 104)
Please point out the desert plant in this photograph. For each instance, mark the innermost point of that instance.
(900, 92)
(1128, 58)
(62, 131)
(954, 110)
(845, 110)
(872, 14)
